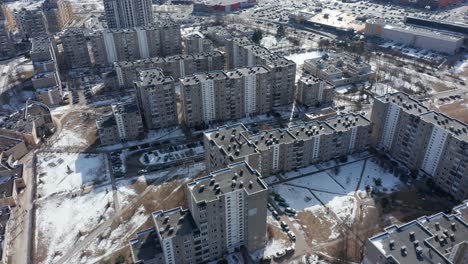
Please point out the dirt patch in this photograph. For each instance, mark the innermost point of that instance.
(317, 226)
(441, 87)
(458, 110)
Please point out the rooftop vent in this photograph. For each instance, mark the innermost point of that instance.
(250, 184)
(392, 244)
(411, 235)
(453, 225)
(202, 187)
(437, 226)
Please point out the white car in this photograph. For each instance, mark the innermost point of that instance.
(292, 236)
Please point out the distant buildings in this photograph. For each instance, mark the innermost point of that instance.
(282, 150)
(339, 69)
(124, 124)
(57, 14)
(30, 22)
(427, 142)
(7, 47)
(223, 6)
(439, 41)
(243, 53)
(219, 96)
(159, 40)
(312, 91)
(194, 44)
(157, 99)
(177, 66)
(227, 211)
(439, 238)
(128, 13)
(75, 48)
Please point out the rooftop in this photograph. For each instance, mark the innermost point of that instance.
(456, 128)
(153, 77)
(310, 129)
(246, 71)
(174, 222)
(106, 121)
(235, 176)
(232, 140)
(407, 103)
(125, 107)
(265, 139)
(146, 245)
(345, 122)
(7, 143)
(203, 77)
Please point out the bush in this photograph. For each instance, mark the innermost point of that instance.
(378, 182)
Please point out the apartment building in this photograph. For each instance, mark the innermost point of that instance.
(177, 66)
(243, 53)
(112, 45)
(75, 48)
(339, 69)
(427, 142)
(30, 22)
(312, 91)
(157, 99)
(439, 238)
(227, 211)
(57, 13)
(282, 150)
(128, 13)
(46, 79)
(5, 230)
(7, 47)
(195, 43)
(219, 96)
(124, 124)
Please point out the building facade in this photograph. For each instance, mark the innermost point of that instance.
(57, 13)
(75, 48)
(177, 66)
(159, 40)
(218, 96)
(194, 44)
(312, 91)
(424, 141)
(7, 47)
(157, 99)
(227, 210)
(124, 124)
(30, 22)
(282, 150)
(128, 13)
(243, 53)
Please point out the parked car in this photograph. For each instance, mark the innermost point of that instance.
(284, 204)
(290, 211)
(291, 236)
(284, 226)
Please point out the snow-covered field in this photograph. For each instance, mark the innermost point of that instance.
(69, 172)
(63, 222)
(334, 188)
(301, 57)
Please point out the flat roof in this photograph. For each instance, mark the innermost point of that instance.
(455, 127)
(7, 143)
(345, 122)
(145, 246)
(232, 140)
(174, 222)
(406, 103)
(266, 139)
(246, 71)
(236, 176)
(152, 77)
(310, 129)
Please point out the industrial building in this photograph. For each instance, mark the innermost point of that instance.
(221, 6)
(438, 41)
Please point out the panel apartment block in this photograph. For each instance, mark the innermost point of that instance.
(177, 66)
(128, 13)
(243, 53)
(157, 99)
(75, 48)
(218, 96)
(283, 150)
(158, 40)
(227, 210)
(312, 91)
(429, 142)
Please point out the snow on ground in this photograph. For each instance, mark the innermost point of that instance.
(274, 246)
(60, 221)
(301, 57)
(161, 156)
(301, 198)
(389, 182)
(271, 42)
(112, 240)
(63, 172)
(460, 66)
(68, 138)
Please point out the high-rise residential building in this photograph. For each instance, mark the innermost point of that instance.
(57, 13)
(439, 238)
(159, 40)
(157, 99)
(46, 79)
(177, 66)
(7, 47)
(312, 91)
(128, 13)
(195, 43)
(282, 150)
(427, 142)
(218, 96)
(227, 211)
(124, 124)
(30, 22)
(75, 48)
(243, 53)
